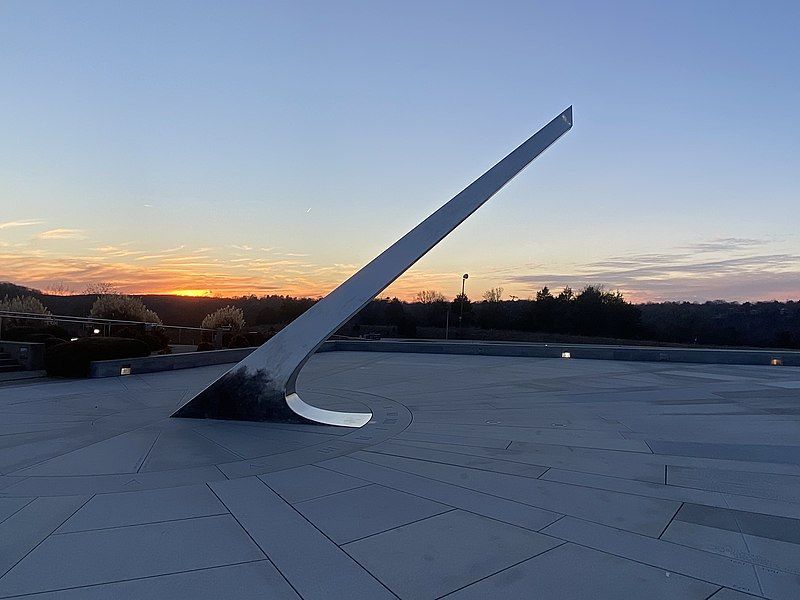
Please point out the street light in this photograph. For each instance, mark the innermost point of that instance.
(464, 278)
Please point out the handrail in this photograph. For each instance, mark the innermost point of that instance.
(90, 320)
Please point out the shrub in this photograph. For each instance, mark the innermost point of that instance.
(28, 334)
(124, 308)
(155, 338)
(239, 341)
(51, 342)
(44, 338)
(205, 346)
(228, 316)
(25, 304)
(72, 359)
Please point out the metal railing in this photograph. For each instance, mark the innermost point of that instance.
(178, 334)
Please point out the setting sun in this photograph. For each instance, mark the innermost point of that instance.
(190, 293)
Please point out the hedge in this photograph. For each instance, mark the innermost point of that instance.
(72, 359)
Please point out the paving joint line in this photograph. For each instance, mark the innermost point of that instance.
(322, 533)
(266, 556)
(222, 514)
(663, 531)
(115, 581)
(502, 570)
(40, 542)
(149, 450)
(466, 510)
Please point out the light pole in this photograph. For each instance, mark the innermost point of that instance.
(464, 278)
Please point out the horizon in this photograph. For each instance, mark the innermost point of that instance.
(66, 293)
(195, 149)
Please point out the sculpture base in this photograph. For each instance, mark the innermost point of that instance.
(242, 395)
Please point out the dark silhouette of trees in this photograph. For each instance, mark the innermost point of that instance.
(434, 305)
(591, 311)
(461, 306)
(492, 313)
(765, 324)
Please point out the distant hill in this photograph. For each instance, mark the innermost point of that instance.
(12, 289)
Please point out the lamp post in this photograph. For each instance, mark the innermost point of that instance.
(464, 278)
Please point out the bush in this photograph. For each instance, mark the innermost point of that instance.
(72, 359)
(24, 304)
(124, 308)
(44, 338)
(155, 338)
(205, 346)
(239, 341)
(29, 334)
(228, 316)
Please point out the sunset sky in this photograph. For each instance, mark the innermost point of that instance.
(276, 147)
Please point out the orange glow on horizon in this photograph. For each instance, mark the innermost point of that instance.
(192, 293)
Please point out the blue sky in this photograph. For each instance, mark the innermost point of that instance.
(273, 147)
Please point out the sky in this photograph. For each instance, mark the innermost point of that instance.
(233, 148)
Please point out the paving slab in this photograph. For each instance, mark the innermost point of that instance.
(729, 594)
(25, 529)
(312, 563)
(744, 452)
(648, 516)
(778, 585)
(430, 558)
(147, 506)
(120, 454)
(508, 511)
(182, 449)
(103, 484)
(357, 513)
(248, 581)
(759, 485)
(751, 523)
(632, 486)
(579, 573)
(453, 458)
(665, 555)
(8, 506)
(308, 482)
(83, 558)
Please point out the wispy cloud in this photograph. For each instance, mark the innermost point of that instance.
(726, 245)
(681, 276)
(14, 224)
(62, 234)
(730, 268)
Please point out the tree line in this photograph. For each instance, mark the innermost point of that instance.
(591, 312)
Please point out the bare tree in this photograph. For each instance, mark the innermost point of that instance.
(101, 288)
(58, 288)
(493, 295)
(429, 297)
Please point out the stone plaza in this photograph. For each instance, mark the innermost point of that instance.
(477, 477)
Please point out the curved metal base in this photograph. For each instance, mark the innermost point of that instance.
(324, 416)
(244, 395)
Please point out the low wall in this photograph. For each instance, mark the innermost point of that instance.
(167, 362)
(170, 362)
(27, 354)
(595, 352)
